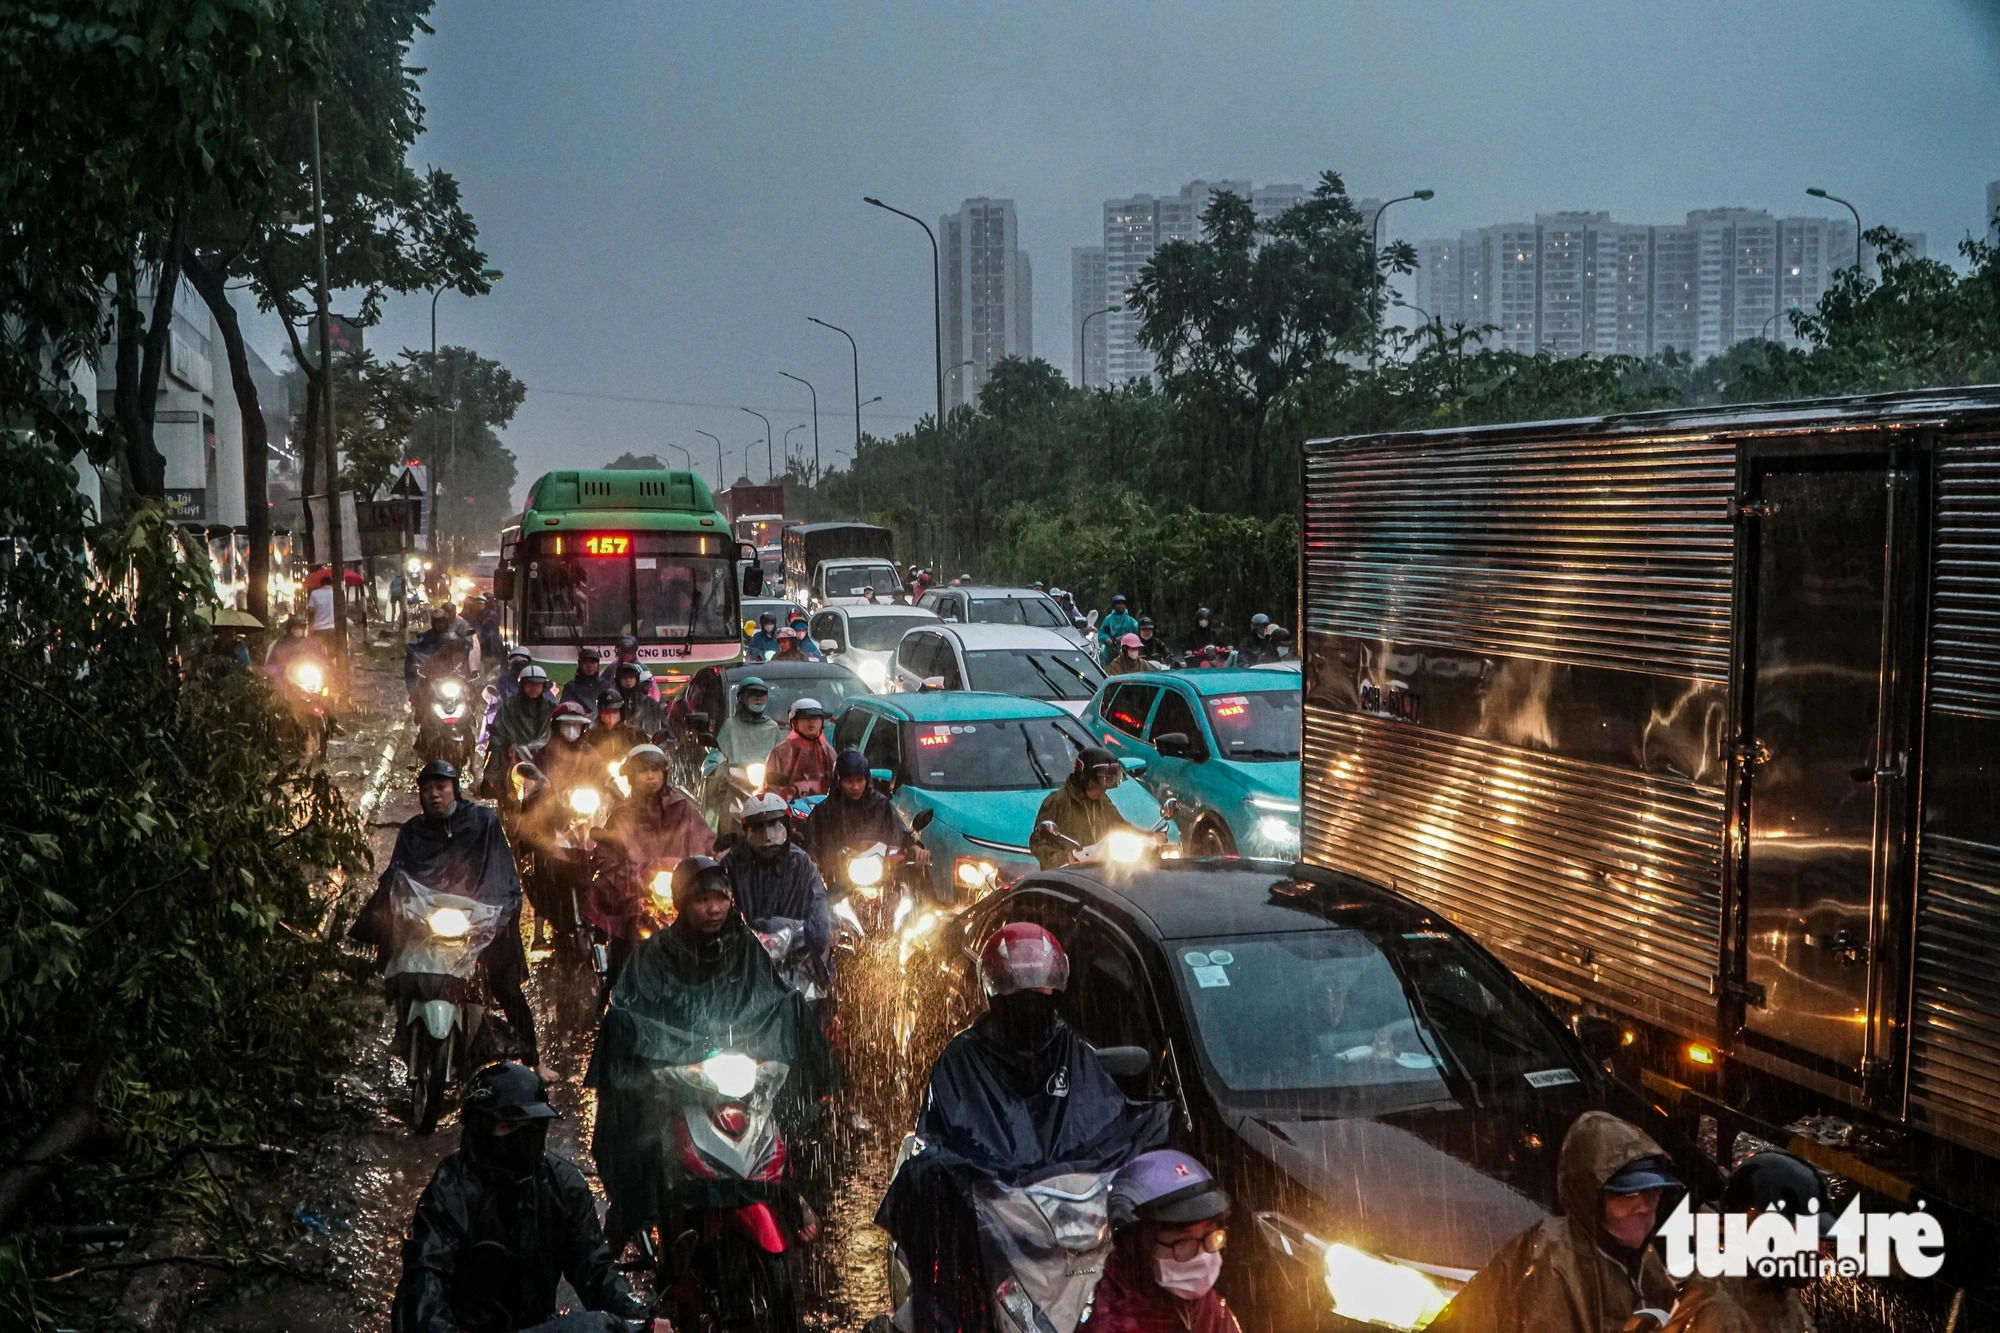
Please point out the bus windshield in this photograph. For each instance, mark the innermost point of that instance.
(652, 597)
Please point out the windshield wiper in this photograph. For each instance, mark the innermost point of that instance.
(1035, 759)
(1263, 753)
(1055, 691)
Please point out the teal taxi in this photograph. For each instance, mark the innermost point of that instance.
(983, 764)
(1223, 743)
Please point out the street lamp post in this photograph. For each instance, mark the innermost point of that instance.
(1818, 193)
(857, 378)
(1375, 249)
(937, 299)
(718, 457)
(1083, 344)
(686, 457)
(769, 471)
(815, 400)
(491, 275)
(331, 538)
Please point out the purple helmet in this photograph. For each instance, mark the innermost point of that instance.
(1165, 1186)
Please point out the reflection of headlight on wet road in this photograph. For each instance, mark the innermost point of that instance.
(730, 1074)
(865, 871)
(1280, 831)
(586, 801)
(450, 923)
(873, 674)
(1126, 848)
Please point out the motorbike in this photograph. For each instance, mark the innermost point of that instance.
(432, 978)
(726, 788)
(877, 884)
(1121, 846)
(1211, 656)
(729, 1267)
(444, 723)
(307, 690)
(1044, 1244)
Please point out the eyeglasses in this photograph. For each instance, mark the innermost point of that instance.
(1181, 1251)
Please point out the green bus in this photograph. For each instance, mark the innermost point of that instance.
(597, 555)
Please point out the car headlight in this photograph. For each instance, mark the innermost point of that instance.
(1275, 805)
(864, 872)
(755, 774)
(1273, 829)
(586, 801)
(1125, 848)
(450, 923)
(308, 677)
(974, 873)
(873, 674)
(730, 1074)
(1380, 1291)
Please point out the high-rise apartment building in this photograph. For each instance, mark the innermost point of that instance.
(1086, 297)
(1577, 283)
(988, 294)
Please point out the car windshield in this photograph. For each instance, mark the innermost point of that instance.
(881, 634)
(832, 689)
(1039, 612)
(1009, 755)
(1256, 727)
(1037, 673)
(850, 580)
(1367, 1022)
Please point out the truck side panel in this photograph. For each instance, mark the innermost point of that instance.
(1517, 665)
(1954, 1064)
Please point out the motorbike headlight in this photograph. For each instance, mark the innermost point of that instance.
(308, 677)
(873, 674)
(1125, 848)
(1275, 830)
(755, 774)
(586, 801)
(663, 888)
(1380, 1291)
(450, 689)
(450, 923)
(731, 1074)
(865, 872)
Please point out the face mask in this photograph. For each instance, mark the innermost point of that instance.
(1191, 1280)
(1025, 1019)
(756, 709)
(572, 733)
(516, 1155)
(768, 834)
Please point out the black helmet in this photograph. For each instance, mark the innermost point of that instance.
(295, 621)
(1201, 613)
(624, 667)
(1145, 622)
(703, 872)
(611, 699)
(628, 644)
(850, 764)
(1778, 1180)
(507, 1090)
(1259, 620)
(438, 768)
(1095, 759)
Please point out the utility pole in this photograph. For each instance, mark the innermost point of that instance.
(334, 562)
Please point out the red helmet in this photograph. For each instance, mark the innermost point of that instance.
(1022, 956)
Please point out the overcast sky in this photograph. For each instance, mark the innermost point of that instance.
(671, 188)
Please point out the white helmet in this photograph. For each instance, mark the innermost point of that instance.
(764, 805)
(533, 672)
(807, 707)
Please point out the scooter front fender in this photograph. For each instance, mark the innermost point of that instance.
(760, 1224)
(439, 1016)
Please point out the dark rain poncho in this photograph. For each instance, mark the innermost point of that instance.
(680, 999)
(466, 854)
(994, 1112)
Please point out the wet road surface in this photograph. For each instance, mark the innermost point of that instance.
(344, 1204)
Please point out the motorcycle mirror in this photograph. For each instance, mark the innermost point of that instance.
(885, 776)
(1172, 745)
(922, 821)
(1090, 621)
(1126, 1061)
(933, 683)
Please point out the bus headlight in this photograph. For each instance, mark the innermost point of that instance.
(586, 801)
(450, 923)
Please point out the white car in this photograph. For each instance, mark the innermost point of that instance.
(1004, 606)
(1004, 659)
(863, 638)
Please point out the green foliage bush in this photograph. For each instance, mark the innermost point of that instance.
(160, 848)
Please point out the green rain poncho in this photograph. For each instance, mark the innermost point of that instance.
(680, 999)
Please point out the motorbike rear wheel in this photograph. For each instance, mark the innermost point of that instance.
(744, 1288)
(430, 1072)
